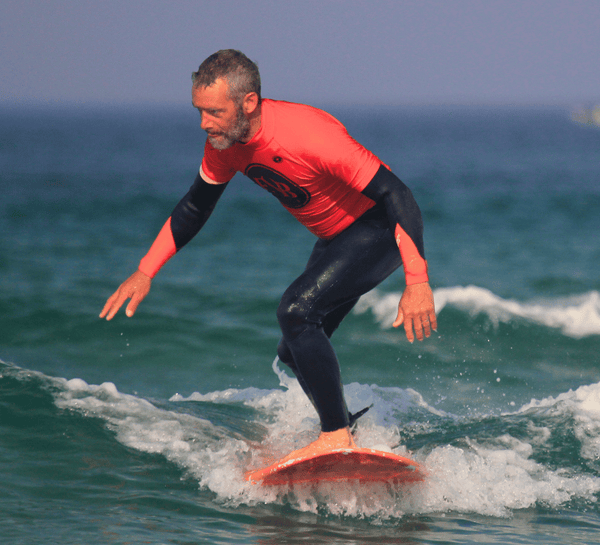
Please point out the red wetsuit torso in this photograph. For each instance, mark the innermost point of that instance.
(307, 159)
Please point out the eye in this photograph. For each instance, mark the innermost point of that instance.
(212, 113)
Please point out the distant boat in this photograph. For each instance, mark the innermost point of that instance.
(587, 116)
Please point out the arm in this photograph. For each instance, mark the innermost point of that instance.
(188, 217)
(416, 308)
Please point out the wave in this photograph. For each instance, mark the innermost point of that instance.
(582, 406)
(487, 465)
(575, 316)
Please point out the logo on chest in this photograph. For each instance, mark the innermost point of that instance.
(289, 193)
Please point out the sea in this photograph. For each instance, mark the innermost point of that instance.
(139, 430)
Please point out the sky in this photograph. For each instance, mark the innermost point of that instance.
(346, 52)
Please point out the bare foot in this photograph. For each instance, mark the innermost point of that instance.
(327, 441)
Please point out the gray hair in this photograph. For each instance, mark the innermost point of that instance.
(233, 66)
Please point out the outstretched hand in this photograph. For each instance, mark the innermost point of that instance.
(416, 309)
(136, 287)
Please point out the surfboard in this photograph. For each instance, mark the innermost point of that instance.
(348, 464)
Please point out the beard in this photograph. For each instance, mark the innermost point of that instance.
(239, 130)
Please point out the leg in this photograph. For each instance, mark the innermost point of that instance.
(338, 273)
(330, 324)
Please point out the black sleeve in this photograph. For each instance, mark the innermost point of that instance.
(400, 205)
(192, 212)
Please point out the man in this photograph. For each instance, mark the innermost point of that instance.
(366, 220)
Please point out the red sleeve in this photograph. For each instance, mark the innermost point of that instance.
(415, 267)
(160, 252)
(405, 219)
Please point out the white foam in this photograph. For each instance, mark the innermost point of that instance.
(491, 478)
(583, 406)
(496, 478)
(137, 422)
(576, 316)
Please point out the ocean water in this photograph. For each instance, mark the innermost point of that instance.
(140, 430)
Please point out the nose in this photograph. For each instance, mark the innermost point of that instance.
(204, 122)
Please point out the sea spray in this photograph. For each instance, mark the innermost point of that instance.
(489, 476)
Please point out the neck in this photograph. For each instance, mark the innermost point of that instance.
(254, 119)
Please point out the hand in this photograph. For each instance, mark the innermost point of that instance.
(417, 309)
(135, 287)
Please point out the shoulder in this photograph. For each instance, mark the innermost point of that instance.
(301, 115)
(300, 126)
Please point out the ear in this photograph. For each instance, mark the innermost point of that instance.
(250, 103)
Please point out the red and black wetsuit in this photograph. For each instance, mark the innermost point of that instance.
(366, 220)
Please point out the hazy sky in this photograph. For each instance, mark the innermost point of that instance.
(315, 51)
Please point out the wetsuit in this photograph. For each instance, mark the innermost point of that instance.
(361, 213)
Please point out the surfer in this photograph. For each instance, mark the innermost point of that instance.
(366, 220)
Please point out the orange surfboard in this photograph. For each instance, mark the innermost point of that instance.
(348, 464)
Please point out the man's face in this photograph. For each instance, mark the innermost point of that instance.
(223, 120)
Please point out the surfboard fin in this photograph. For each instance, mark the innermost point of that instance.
(353, 417)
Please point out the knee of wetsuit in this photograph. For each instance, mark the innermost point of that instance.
(284, 354)
(293, 315)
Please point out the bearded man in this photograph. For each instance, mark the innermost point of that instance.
(366, 221)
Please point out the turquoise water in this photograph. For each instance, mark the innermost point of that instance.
(140, 430)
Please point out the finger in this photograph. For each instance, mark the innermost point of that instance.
(116, 306)
(418, 328)
(108, 304)
(408, 328)
(104, 309)
(133, 305)
(433, 321)
(426, 327)
(399, 319)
